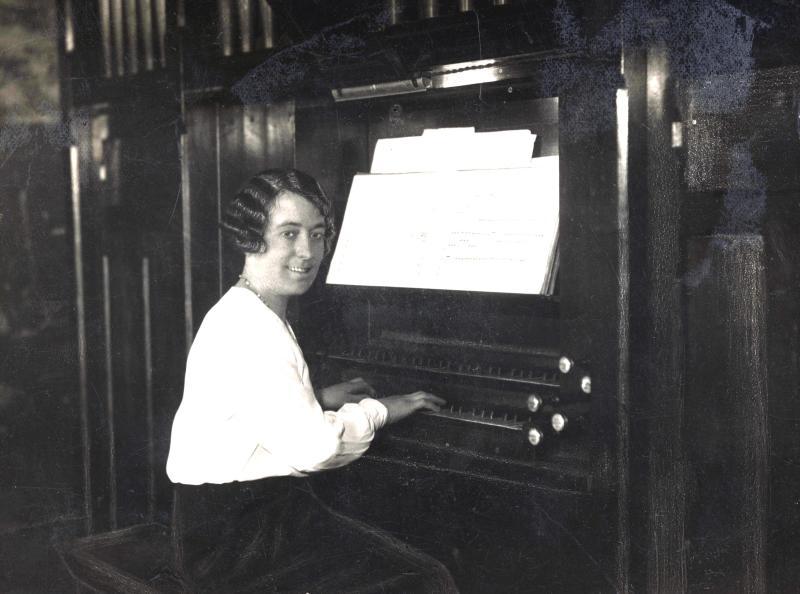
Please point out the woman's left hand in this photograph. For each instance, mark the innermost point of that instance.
(335, 396)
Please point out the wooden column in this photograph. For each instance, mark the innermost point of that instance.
(657, 492)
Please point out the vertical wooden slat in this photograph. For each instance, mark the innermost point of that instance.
(233, 171)
(146, 12)
(69, 27)
(429, 8)
(226, 26)
(203, 145)
(80, 299)
(254, 127)
(267, 24)
(666, 486)
(109, 364)
(161, 27)
(186, 220)
(623, 367)
(148, 391)
(132, 25)
(280, 134)
(105, 33)
(747, 326)
(394, 8)
(218, 165)
(245, 26)
(635, 73)
(117, 19)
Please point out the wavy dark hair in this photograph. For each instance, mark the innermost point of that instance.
(247, 215)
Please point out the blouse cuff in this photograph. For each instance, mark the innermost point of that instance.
(376, 412)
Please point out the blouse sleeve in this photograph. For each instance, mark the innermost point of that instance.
(284, 417)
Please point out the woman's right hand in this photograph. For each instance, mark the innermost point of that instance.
(404, 405)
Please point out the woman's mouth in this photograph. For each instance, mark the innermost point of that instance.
(300, 269)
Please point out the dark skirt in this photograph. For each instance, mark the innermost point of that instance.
(274, 535)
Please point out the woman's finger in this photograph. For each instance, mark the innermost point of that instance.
(439, 401)
(430, 405)
(427, 396)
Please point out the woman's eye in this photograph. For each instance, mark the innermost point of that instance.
(318, 235)
(289, 234)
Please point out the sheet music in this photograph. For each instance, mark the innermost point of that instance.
(447, 149)
(480, 230)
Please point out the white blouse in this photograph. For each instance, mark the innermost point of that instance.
(248, 408)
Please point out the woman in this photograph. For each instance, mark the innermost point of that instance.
(250, 427)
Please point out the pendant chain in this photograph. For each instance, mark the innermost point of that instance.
(250, 286)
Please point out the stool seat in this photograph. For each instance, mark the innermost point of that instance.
(137, 559)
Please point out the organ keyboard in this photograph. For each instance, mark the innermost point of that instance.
(506, 412)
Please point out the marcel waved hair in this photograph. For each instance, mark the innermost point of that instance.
(247, 215)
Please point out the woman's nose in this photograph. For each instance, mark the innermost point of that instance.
(302, 247)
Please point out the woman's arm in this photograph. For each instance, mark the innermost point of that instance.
(283, 415)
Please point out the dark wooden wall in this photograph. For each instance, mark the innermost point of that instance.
(741, 233)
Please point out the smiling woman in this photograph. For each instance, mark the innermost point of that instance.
(295, 238)
(250, 425)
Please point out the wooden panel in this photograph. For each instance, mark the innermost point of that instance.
(726, 414)
(781, 237)
(161, 244)
(494, 536)
(91, 211)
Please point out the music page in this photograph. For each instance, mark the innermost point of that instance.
(482, 230)
(440, 149)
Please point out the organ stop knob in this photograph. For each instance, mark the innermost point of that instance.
(558, 422)
(534, 403)
(535, 436)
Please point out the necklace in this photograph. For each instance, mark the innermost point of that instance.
(250, 286)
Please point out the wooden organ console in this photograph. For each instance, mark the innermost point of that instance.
(530, 380)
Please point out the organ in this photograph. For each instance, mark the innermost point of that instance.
(507, 364)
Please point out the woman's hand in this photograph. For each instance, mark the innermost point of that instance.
(335, 396)
(404, 405)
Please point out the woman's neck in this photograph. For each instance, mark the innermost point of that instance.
(248, 279)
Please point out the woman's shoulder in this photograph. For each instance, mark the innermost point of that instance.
(238, 317)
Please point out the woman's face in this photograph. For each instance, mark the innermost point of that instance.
(295, 238)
